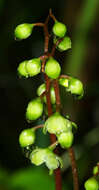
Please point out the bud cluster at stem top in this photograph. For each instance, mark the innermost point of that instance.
(55, 124)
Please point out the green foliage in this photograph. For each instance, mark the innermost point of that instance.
(31, 178)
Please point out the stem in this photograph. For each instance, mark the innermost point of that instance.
(43, 94)
(57, 94)
(53, 146)
(37, 127)
(74, 168)
(52, 16)
(57, 172)
(64, 76)
(55, 45)
(39, 24)
(70, 150)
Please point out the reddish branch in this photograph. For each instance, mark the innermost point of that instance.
(74, 168)
(47, 80)
(55, 45)
(57, 94)
(64, 76)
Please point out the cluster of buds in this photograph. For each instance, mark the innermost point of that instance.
(56, 123)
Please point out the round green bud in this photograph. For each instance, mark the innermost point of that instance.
(57, 124)
(52, 94)
(64, 45)
(52, 161)
(91, 184)
(38, 156)
(33, 67)
(52, 68)
(42, 88)
(26, 137)
(34, 109)
(59, 29)
(63, 82)
(65, 139)
(22, 69)
(75, 86)
(95, 170)
(23, 31)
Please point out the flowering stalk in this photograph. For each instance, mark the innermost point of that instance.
(58, 126)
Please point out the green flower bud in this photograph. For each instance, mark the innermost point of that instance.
(64, 45)
(33, 67)
(38, 156)
(91, 184)
(57, 124)
(75, 86)
(26, 137)
(23, 31)
(41, 155)
(52, 68)
(42, 88)
(65, 139)
(59, 29)
(22, 69)
(34, 109)
(52, 94)
(52, 161)
(63, 82)
(74, 125)
(95, 170)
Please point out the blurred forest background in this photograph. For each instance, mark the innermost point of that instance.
(82, 20)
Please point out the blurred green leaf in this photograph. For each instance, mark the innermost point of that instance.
(84, 25)
(31, 178)
(3, 175)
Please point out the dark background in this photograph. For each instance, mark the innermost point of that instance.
(81, 19)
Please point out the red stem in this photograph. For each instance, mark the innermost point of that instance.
(55, 45)
(74, 168)
(57, 94)
(47, 80)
